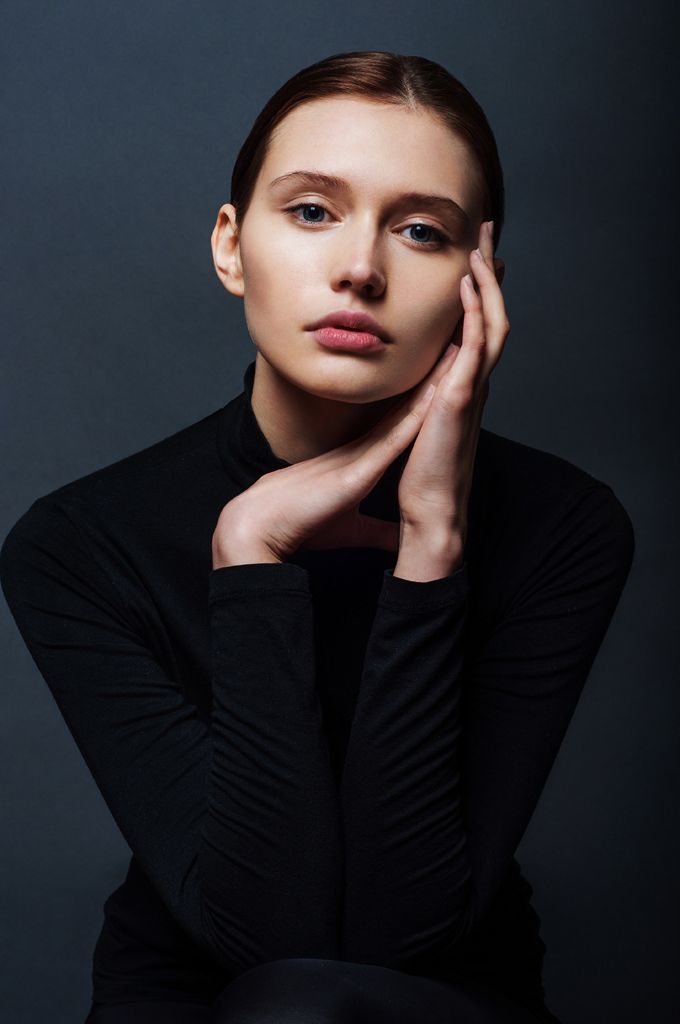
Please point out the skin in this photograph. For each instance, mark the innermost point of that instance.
(340, 418)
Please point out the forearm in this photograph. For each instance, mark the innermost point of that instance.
(371, 773)
(407, 878)
(271, 859)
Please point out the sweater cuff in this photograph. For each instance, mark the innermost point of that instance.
(256, 577)
(416, 595)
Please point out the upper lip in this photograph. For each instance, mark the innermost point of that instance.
(352, 319)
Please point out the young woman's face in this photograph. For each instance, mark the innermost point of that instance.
(366, 246)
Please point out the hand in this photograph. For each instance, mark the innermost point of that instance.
(314, 503)
(435, 483)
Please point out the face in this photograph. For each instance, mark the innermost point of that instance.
(362, 247)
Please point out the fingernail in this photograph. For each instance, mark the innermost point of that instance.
(478, 254)
(489, 228)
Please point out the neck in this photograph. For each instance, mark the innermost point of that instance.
(299, 425)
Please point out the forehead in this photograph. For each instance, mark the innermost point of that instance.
(378, 147)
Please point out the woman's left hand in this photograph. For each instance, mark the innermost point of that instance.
(435, 484)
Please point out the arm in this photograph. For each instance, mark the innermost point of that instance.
(235, 822)
(447, 757)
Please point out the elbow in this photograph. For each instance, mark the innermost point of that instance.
(240, 925)
(239, 943)
(412, 944)
(238, 933)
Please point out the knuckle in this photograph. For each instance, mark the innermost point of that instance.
(477, 349)
(460, 394)
(475, 342)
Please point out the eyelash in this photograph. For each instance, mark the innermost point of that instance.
(438, 243)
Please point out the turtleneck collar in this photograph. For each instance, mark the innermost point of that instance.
(246, 453)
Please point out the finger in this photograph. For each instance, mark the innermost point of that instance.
(422, 390)
(365, 459)
(496, 324)
(486, 245)
(442, 366)
(486, 240)
(495, 308)
(464, 377)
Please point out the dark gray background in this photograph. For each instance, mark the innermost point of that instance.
(120, 124)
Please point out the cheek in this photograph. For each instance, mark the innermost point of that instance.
(275, 272)
(260, 296)
(434, 308)
(274, 284)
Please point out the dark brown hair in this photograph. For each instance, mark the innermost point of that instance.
(388, 78)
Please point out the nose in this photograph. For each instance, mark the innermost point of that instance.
(359, 264)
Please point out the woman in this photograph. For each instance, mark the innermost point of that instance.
(320, 648)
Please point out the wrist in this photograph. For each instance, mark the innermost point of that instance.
(244, 556)
(234, 542)
(241, 550)
(424, 555)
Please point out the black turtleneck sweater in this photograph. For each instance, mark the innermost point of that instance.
(314, 758)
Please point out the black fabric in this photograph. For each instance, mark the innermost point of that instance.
(315, 759)
(316, 991)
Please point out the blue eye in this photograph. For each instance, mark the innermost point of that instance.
(439, 240)
(307, 206)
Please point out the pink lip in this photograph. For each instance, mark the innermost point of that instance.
(354, 341)
(352, 320)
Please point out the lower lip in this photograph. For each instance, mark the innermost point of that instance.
(353, 341)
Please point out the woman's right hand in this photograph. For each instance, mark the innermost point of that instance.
(315, 503)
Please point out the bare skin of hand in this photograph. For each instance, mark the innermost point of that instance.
(314, 503)
(434, 488)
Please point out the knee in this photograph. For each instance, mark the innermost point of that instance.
(292, 991)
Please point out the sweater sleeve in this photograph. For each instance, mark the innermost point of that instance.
(235, 821)
(448, 755)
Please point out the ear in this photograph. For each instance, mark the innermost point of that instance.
(226, 250)
(499, 267)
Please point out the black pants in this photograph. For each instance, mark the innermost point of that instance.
(311, 991)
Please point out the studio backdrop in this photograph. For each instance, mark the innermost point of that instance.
(120, 125)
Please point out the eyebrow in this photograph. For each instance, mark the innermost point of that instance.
(436, 204)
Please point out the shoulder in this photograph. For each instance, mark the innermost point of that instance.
(171, 459)
(513, 465)
(540, 506)
(137, 498)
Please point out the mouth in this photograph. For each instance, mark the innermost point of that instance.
(352, 322)
(349, 340)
